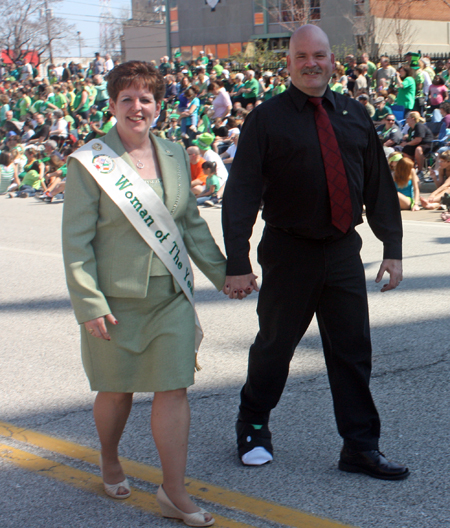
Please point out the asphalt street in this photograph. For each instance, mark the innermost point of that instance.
(44, 389)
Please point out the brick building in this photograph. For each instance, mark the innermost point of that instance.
(224, 27)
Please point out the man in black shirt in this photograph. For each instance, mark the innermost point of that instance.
(41, 131)
(309, 265)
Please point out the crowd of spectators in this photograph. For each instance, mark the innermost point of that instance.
(42, 120)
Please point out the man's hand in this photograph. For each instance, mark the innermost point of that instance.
(394, 268)
(239, 286)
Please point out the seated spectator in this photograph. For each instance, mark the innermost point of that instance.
(198, 177)
(41, 130)
(339, 70)
(389, 132)
(32, 177)
(7, 171)
(438, 93)
(442, 171)
(364, 100)
(59, 129)
(360, 86)
(267, 86)
(335, 85)
(212, 185)
(279, 85)
(174, 131)
(101, 128)
(204, 142)
(238, 84)
(27, 132)
(381, 109)
(56, 180)
(228, 155)
(221, 102)
(417, 143)
(189, 117)
(407, 185)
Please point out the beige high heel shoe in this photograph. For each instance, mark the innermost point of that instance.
(112, 489)
(170, 511)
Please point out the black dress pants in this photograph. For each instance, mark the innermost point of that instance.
(302, 277)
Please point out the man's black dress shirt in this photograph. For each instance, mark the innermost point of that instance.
(279, 161)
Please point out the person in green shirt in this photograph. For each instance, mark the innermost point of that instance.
(371, 67)
(24, 103)
(217, 67)
(106, 126)
(335, 85)
(406, 88)
(249, 92)
(81, 102)
(382, 110)
(58, 99)
(102, 97)
(278, 85)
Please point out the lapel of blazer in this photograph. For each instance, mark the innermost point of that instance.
(168, 164)
(170, 173)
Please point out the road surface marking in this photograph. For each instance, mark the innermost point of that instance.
(215, 494)
(92, 483)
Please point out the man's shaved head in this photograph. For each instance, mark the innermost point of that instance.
(310, 60)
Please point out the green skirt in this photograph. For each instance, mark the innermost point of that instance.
(152, 349)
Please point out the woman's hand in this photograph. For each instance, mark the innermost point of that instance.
(97, 327)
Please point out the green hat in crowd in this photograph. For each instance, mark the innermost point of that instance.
(174, 116)
(414, 64)
(204, 141)
(177, 54)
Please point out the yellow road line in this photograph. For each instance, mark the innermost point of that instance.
(215, 494)
(92, 483)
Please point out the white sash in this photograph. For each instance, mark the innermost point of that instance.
(145, 211)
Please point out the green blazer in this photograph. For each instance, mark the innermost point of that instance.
(103, 253)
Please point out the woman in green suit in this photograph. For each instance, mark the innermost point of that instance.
(137, 325)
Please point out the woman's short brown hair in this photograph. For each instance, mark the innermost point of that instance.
(137, 74)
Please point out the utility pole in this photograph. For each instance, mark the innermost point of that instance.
(79, 42)
(49, 31)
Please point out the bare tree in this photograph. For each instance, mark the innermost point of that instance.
(394, 24)
(111, 31)
(29, 26)
(291, 14)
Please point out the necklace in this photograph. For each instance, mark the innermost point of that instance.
(139, 163)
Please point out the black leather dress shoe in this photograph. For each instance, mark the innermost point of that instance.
(372, 463)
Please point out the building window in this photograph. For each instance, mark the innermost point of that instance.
(286, 11)
(173, 15)
(258, 12)
(314, 10)
(235, 47)
(223, 51)
(359, 8)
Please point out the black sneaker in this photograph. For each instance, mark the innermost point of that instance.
(254, 444)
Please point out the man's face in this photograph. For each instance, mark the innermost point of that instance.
(9, 115)
(310, 62)
(384, 63)
(40, 119)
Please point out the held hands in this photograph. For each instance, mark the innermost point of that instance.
(97, 327)
(239, 286)
(394, 268)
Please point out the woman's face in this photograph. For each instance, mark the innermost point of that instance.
(135, 110)
(392, 165)
(445, 164)
(411, 122)
(402, 73)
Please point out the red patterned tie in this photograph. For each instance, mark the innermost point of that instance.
(341, 205)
